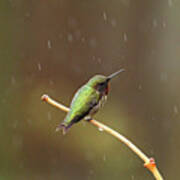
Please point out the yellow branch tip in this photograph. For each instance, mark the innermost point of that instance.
(44, 97)
(151, 164)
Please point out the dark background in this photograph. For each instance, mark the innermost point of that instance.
(54, 47)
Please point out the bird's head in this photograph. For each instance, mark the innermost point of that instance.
(100, 82)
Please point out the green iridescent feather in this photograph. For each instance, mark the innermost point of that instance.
(84, 100)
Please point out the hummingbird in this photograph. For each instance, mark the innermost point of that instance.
(87, 100)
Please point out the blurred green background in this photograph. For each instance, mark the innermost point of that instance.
(54, 47)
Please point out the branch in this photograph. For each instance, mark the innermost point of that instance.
(149, 163)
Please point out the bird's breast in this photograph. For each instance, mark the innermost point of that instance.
(99, 105)
(102, 101)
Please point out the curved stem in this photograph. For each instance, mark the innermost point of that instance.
(149, 163)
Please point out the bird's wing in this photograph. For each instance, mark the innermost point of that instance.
(84, 100)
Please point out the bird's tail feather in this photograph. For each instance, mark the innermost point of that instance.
(64, 127)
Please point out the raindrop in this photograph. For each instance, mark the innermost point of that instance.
(163, 76)
(101, 129)
(51, 82)
(49, 44)
(39, 67)
(151, 150)
(104, 157)
(175, 108)
(70, 37)
(99, 60)
(153, 118)
(126, 2)
(83, 39)
(72, 22)
(140, 87)
(114, 23)
(154, 23)
(17, 141)
(29, 121)
(28, 14)
(94, 58)
(13, 80)
(91, 171)
(49, 116)
(170, 3)
(164, 24)
(125, 37)
(15, 124)
(93, 42)
(104, 16)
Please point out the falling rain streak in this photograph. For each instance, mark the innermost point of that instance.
(49, 44)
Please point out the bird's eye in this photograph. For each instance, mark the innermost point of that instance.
(101, 84)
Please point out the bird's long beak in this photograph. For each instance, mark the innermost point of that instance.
(114, 74)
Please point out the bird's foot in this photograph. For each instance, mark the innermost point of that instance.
(88, 118)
